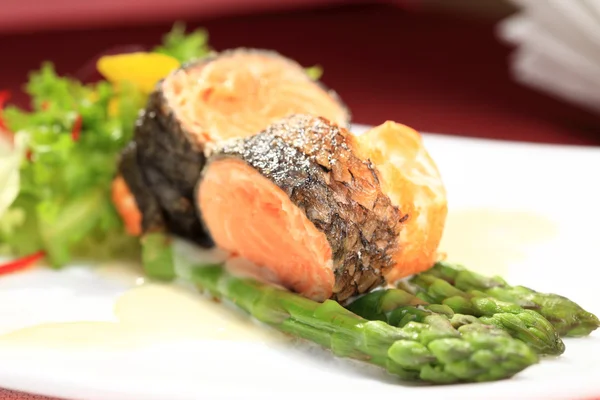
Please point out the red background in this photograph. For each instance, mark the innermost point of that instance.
(434, 72)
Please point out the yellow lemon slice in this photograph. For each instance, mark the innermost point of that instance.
(142, 69)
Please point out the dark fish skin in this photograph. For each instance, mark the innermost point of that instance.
(128, 168)
(312, 161)
(171, 164)
(171, 159)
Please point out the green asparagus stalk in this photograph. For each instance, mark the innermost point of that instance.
(398, 307)
(526, 325)
(387, 305)
(431, 350)
(157, 256)
(567, 317)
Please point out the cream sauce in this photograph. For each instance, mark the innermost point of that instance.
(128, 273)
(146, 314)
(489, 241)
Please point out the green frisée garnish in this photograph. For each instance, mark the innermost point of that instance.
(315, 72)
(184, 47)
(60, 200)
(12, 153)
(73, 145)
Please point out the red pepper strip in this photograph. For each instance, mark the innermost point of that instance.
(4, 97)
(21, 263)
(76, 131)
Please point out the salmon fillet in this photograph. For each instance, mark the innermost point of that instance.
(234, 94)
(298, 200)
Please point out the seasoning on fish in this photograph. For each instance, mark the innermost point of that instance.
(299, 201)
(231, 95)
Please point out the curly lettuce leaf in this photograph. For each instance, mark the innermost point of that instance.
(184, 47)
(64, 195)
(11, 156)
(63, 206)
(315, 72)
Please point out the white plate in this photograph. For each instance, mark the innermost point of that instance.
(560, 184)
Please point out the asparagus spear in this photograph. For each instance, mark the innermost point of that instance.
(398, 307)
(432, 350)
(157, 256)
(567, 317)
(527, 325)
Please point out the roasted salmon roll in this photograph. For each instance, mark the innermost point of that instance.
(234, 94)
(411, 179)
(298, 200)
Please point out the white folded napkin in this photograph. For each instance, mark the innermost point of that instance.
(558, 48)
